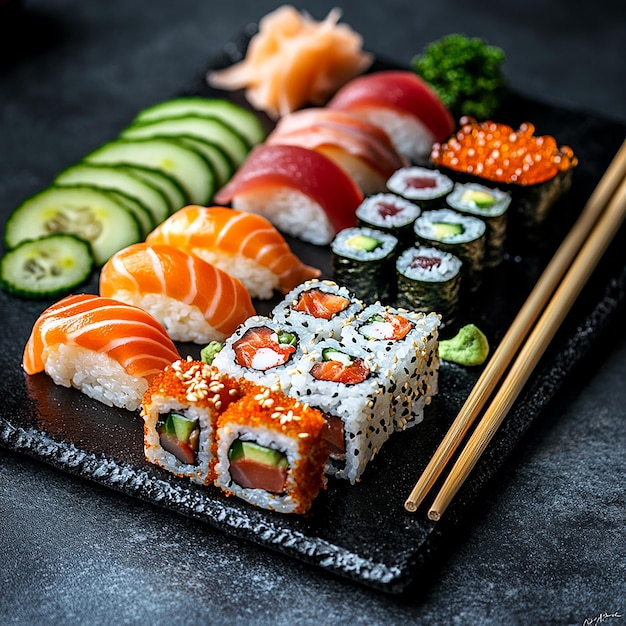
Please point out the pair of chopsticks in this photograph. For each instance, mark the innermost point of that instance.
(536, 324)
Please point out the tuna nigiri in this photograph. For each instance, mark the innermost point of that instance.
(107, 349)
(360, 147)
(191, 298)
(403, 104)
(302, 192)
(245, 245)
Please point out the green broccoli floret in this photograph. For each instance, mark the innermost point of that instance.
(468, 347)
(207, 354)
(466, 73)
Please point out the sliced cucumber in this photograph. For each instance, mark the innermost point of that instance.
(95, 215)
(46, 267)
(208, 128)
(172, 189)
(223, 165)
(243, 120)
(137, 208)
(190, 169)
(122, 179)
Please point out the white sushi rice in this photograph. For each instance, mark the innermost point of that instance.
(458, 200)
(291, 212)
(182, 322)
(449, 265)
(473, 227)
(259, 280)
(341, 244)
(95, 374)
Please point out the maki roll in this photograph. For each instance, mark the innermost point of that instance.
(391, 214)
(346, 384)
(270, 451)
(429, 280)
(180, 410)
(362, 260)
(426, 187)
(534, 168)
(489, 204)
(404, 345)
(263, 351)
(461, 235)
(317, 309)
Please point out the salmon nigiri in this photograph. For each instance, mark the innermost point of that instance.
(245, 245)
(191, 298)
(302, 192)
(107, 349)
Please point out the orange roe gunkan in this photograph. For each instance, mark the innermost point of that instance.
(498, 153)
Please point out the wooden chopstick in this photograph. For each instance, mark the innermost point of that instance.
(519, 329)
(536, 344)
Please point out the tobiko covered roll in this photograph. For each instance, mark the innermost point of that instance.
(244, 245)
(270, 451)
(401, 103)
(302, 192)
(180, 410)
(192, 299)
(363, 259)
(107, 349)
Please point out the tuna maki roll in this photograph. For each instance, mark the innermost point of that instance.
(390, 213)
(429, 280)
(362, 260)
(489, 204)
(461, 235)
(270, 451)
(426, 187)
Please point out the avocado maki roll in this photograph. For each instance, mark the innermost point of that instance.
(489, 204)
(462, 235)
(429, 280)
(391, 214)
(426, 187)
(362, 260)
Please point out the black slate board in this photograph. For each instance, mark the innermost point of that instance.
(361, 532)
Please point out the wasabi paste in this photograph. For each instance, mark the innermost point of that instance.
(468, 347)
(207, 354)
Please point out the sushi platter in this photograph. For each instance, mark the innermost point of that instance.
(358, 531)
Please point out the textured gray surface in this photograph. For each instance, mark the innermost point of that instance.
(548, 542)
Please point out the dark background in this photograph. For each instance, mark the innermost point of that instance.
(546, 544)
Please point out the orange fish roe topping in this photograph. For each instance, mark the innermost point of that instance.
(498, 153)
(195, 381)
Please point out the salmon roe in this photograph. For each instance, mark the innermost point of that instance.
(498, 153)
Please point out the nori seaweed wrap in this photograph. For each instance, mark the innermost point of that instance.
(429, 280)
(362, 260)
(461, 235)
(489, 204)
